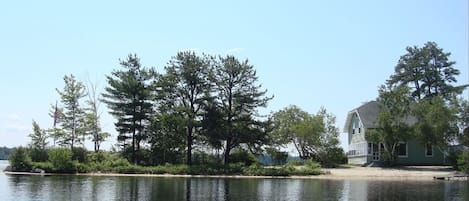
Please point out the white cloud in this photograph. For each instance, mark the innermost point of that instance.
(13, 135)
(12, 117)
(16, 128)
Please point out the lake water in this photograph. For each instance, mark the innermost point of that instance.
(38, 188)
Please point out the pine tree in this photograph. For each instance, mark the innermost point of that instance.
(185, 89)
(238, 96)
(427, 71)
(129, 97)
(71, 116)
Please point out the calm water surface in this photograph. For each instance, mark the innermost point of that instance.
(25, 188)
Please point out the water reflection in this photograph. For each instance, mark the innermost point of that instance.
(145, 188)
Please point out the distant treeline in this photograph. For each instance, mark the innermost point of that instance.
(5, 152)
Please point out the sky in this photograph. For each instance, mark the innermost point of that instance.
(312, 54)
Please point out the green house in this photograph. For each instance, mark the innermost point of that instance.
(362, 152)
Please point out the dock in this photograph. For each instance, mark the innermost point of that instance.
(452, 177)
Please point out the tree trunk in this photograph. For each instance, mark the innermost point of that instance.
(226, 157)
(189, 146)
(133, 146)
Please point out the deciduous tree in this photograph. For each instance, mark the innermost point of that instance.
(395, 120)
(313, 136)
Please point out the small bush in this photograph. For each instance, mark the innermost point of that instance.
(463, 162)
(82, 167)
(79, 154)
(202, 158)
(245, 157)
(130, 169)
(312, 164)
(453, 158)
(98, 157)
(296, 163)
(257, 170)
(20, 160)
(38, 155)
(177, 169)
(46, 166)
(61, 160)
(120, 162)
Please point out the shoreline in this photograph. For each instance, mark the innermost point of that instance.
(357, 173)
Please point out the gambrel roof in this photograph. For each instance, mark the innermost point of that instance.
(368, 116)
(367, 113)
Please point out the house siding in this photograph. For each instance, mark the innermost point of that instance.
(363, 118)
(357, 138)
(416, 155)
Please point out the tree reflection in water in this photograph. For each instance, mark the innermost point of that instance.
(25, 188)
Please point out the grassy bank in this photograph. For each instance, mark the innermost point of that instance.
(231, 169)
(66, 161)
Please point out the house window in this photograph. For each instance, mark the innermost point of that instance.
(428, 150)
(359, 130)
(402, 150)
(353, 130)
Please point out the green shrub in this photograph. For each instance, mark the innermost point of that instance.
(177, 169)
(463, 162)
(296, 163)
(38, 155)
(202, 158)
(130, 169)
(305, 171)
(46, 166)
(257, 170)
(120, 162)
(312, 164)
(333, 157)
(61, 160)
(79, 154)
(216, 169)
(82, 167)
(98, 157)
(453, 158)
(20, 160)
(245, 157)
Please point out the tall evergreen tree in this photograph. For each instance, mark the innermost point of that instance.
(71, 115)
(238, 96)
(185, 88)
(427, 71)
(129, 97)
(430, 75)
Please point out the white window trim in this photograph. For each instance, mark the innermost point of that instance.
(406, 150)
(428, 156)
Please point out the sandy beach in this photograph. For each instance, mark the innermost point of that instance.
(407, 172)
(378, 173)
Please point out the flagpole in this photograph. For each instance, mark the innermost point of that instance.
(56, 114)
